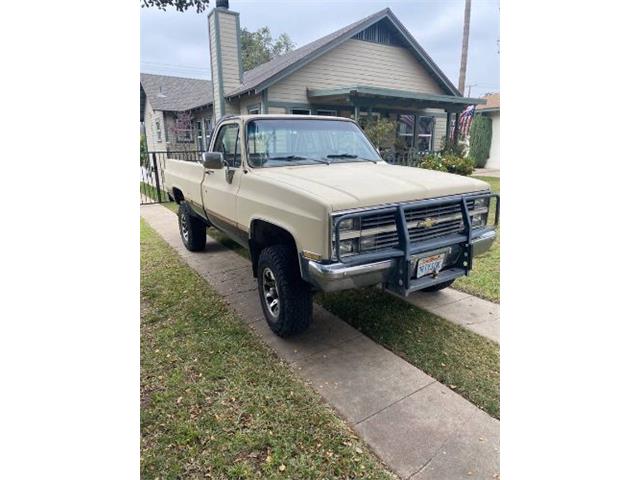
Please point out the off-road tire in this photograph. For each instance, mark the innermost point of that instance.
(295, 300)
(193, 230)
(438, 287)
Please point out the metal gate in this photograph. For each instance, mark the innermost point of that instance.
(152, 189)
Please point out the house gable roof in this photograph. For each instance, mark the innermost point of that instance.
(176, 94)
(268, 73)
(493, 103)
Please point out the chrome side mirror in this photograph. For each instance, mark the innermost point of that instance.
(212, 160)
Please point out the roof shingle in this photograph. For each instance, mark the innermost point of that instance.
(254, 77)
(176, 94)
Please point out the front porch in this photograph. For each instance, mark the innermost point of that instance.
(423, 119)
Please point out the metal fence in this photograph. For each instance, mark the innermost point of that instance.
(152, 164)
(152, 189)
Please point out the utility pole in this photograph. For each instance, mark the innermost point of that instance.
(465, 47)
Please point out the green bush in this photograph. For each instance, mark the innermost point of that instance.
(448, 162)
(480, 140)
(144, 157)
(381, 132)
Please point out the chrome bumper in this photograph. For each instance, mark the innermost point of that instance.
(482, 243)
(333, 277)
(338, 276)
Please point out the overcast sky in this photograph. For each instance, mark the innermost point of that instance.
(174, 43)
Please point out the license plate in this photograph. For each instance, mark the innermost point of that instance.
(430, 265)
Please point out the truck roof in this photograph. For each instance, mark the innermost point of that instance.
(284, 116)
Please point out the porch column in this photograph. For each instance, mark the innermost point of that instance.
(455, 129)
(448, 126)
(356, 112)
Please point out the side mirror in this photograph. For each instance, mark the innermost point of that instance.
(212, 160)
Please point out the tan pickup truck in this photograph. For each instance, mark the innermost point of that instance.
(318, 209)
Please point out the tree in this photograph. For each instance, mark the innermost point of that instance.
(480, 140)
(180, 5)
(259, 47)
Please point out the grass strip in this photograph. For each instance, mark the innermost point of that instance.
(484, 280)
(215, 401)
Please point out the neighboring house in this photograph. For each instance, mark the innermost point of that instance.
(371, 68)
(176, 112)
(492, 110)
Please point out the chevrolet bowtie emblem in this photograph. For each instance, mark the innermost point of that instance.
(427, 223)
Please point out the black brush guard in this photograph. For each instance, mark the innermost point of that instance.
(401, 280)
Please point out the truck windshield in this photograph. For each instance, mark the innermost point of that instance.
(279, 142)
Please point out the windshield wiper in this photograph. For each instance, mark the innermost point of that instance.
(298, 157)
(350, 155)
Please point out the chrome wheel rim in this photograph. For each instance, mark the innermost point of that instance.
(184, 230)
(270, 292)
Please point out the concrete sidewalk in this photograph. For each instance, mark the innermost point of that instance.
(476, 314)
(417, 426)
(487, 172)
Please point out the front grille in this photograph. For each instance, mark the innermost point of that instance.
(375, 231)
(445, 219)
(379, 229)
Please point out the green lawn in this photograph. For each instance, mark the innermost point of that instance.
(484, 280)
(215, 401)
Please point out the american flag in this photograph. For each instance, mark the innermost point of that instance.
(465, 119)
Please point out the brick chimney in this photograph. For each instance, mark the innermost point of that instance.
(224, 46)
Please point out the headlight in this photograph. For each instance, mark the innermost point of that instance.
(478, 221)
(350, 224)
(480, 212)
(348, 247)
(481, 203)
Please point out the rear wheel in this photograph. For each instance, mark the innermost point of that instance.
(193, 230)
(285, 298)
(438, 287)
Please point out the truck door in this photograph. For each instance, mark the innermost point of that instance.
(220, 187)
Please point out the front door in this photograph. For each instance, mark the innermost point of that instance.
(220, 187)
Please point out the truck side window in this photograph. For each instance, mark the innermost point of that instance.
(227, 143)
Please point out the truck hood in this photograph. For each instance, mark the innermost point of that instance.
(343, 186)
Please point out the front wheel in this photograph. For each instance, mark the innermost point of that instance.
(285, 298)
(193, 230)
(438, 287)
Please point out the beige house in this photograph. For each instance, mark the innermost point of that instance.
(371, 68)
(492, 110)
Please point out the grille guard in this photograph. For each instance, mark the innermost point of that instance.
(401, 281)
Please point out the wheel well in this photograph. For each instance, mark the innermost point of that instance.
(265, 234)
(177, 195)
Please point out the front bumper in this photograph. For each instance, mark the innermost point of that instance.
(333, 277)
(396, 268)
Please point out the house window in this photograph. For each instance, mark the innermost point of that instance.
(327, 113)
(406, 127)
(158, 132)
(300, 111)
(254, 110)
(425, 134)
(227, 144)
(184, 127)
